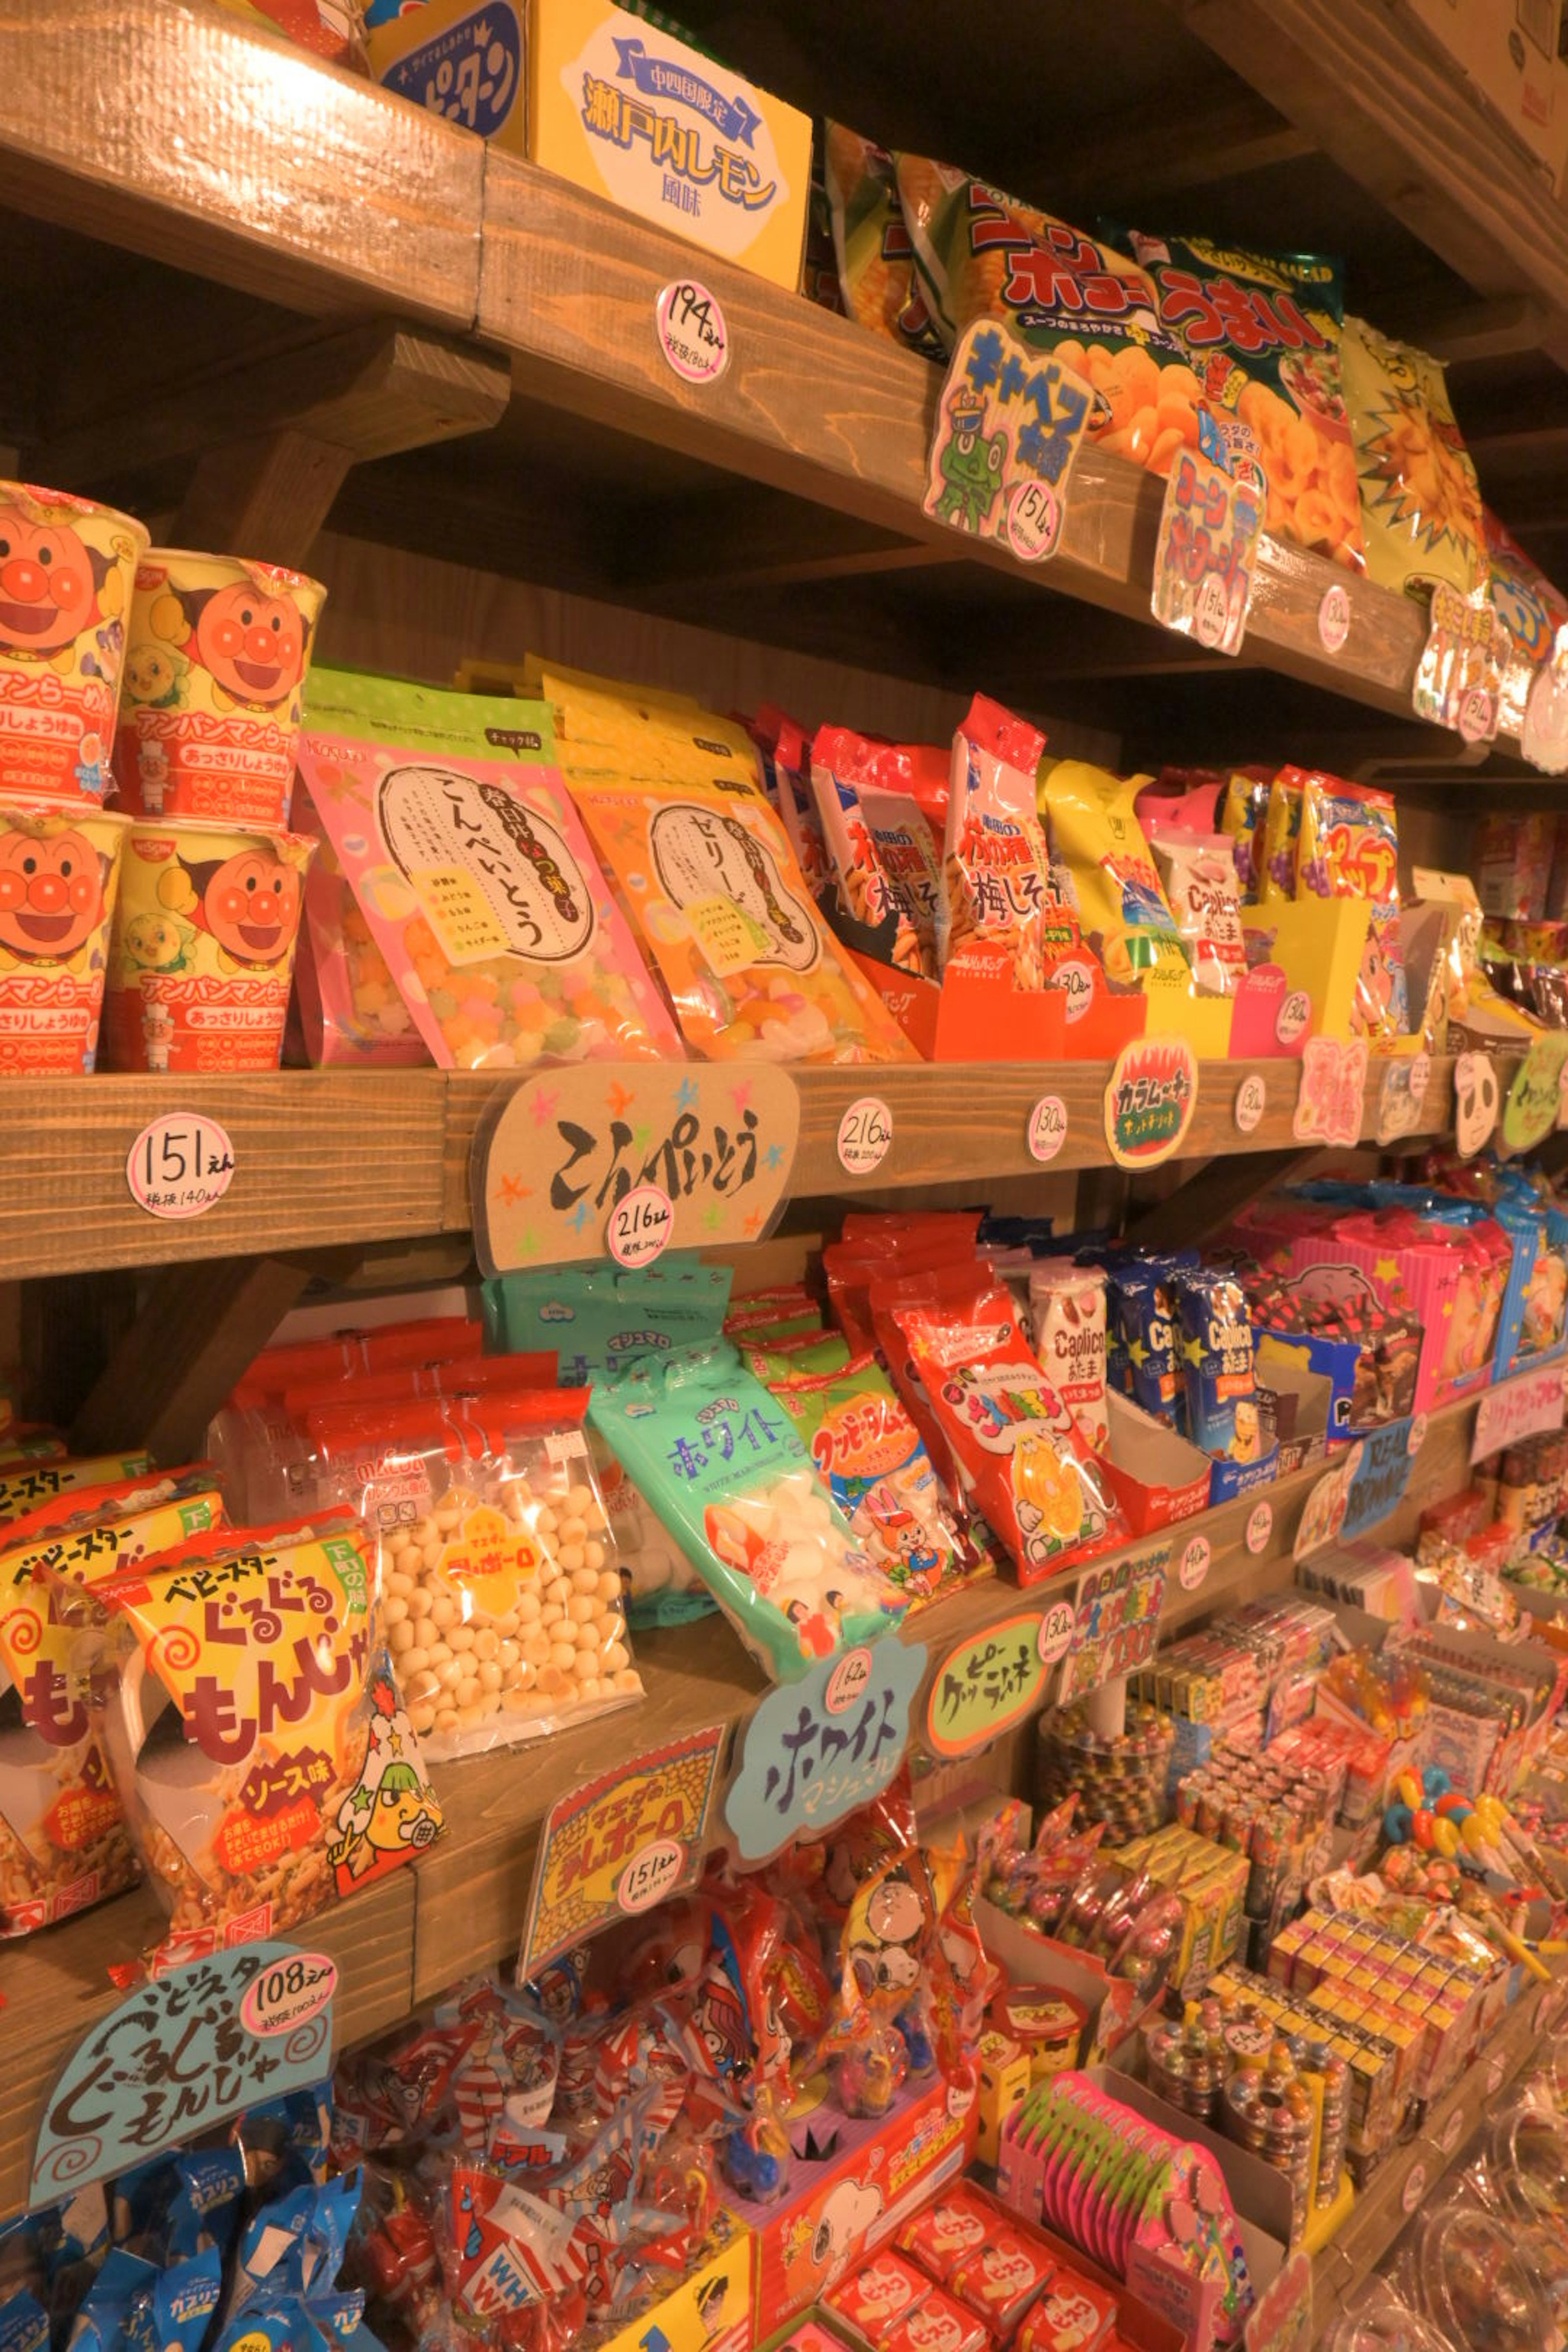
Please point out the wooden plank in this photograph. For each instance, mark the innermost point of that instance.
(172, 129)
(1213, 1194)
(270, 496)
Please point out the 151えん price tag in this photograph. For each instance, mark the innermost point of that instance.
(1009, 425)
(1206, 553)
(691, 332)
(179, 1165)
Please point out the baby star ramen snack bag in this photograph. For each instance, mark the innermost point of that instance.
(1095, 830)
(706, 876)
(981, 254)
(1420, 501)
(258, 1741)
(1262, 332)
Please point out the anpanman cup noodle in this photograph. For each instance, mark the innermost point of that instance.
(202, 948)
(60, 875)
(67, 570)
(215, 665)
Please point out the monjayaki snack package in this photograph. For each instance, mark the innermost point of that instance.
(63, 1840)
(871, 244)
(1349, 848)
(721, 1464)
(981, 254)
(1421, 504)
(868, 1452)
(1094, 829)
(243, 1695)
(999, 888)
(478, 884)
(884, 860)
(702, 867)
(1262, 333)
(1015, 1439)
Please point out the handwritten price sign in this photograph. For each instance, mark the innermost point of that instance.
(819, 1747)
(1207, 549)
(1009, 426)
(1333, 1084)
(1520, 1408)
(179, 1165)
(1117, 1624)
(987, 1685)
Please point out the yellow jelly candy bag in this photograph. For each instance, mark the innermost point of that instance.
(701, 864)
(1421, 503)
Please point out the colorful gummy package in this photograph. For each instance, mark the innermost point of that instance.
(1349, 848)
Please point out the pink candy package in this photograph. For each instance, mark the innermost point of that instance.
(349, 1009)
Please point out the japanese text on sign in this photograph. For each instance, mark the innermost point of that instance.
(1209, 529)
(985, 1685)
(175, 2057)
(1149, 1100)
(1334, 1083)
(1458, 679)
(806, 1764)
(1359, 1491)
(1117, 1624)
(179, 1165)
(1530, 1114)
(1009, 425)
(1520, 1408)
(595, 1862)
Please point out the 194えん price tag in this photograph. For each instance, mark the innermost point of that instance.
(817, 1748)
(692, 331)
(1009, 426)
(1207, 548)
(189, 2050)
(179, 1165)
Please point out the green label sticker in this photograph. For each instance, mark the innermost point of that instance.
(1530, 1114)
(986, 1685)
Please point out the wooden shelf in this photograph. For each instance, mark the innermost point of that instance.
(462, 1906)
(323, 1159)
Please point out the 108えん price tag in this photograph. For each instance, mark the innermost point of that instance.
(1009, 425)
(179, 1165)
(1206, 552)
(179, 2054)
(691, 332)
(817, 1748)
(1458, 679)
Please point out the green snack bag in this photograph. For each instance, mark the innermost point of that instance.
(771, 1361)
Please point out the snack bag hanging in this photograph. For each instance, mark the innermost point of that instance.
(876, 260)
(1349, 848)
(1532, 611)
(1262, 332)
(981, 254)
(1421, 504)
(1013, 1434)
(720, 1462)
(1094, 829)
(244, 1700)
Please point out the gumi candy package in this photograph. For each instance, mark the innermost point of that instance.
(479, 889)
(63, 1840)
(1012, 1434)
(243, 1695)
(720, 1462)
(500, 1586)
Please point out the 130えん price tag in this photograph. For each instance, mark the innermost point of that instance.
(1458, 679)
(640, 1225)
(816, 1749)
(1009, 425)
(691, 332)
(1204, 560)
(179, 1165)
(865, 1136)
(1048, 1128)
(178, 2055)
(1251, 1102)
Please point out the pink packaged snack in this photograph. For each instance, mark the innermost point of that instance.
(873, 2300)
(349, 1009)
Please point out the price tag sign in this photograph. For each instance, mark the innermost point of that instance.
(1009, 425)
(620, 1843)
(865, 1136)
(1414, 2187)
(1334, 619)
(1281, 2318)
(1359, 1492)
(179, 2054)
(556, 1158)
(1260, 1527)
(1458, 679)
(1206, 552)
(1476, 1103)
(1251, 1102)
(1195, 1564)
(1518, 1408)
(1453, 2132)
(1048, 1128)
(1403, 1102)
(1117, 1627)
(179, 1165)
(1333, 1084)
(817, 1748)
(1057, 1630)
(986, 1685)
(1150, 1101)
(1530, 1114)
(691, 332)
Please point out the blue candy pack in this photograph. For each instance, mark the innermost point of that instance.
(1217, 1364)
(601, 1318)
(23, 2324)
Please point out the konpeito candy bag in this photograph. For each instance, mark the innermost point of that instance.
(981, 254)
(244, 1700)
(1420, 501)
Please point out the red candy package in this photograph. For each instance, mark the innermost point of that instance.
(938, 2325)
(1072, 2315)
(1019, 1449)
(1000, 2281)
(873, 2300)
(948, 2232)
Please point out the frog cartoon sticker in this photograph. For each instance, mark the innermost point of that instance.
(65, 574)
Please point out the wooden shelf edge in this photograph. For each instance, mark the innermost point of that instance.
(462, 1906)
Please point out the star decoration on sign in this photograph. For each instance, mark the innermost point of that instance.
(618, 1098)
(512, 1190)
(544, 1104)
(774, 1155)
(686, 1095)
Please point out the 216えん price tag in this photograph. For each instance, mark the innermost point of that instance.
(1009, 425)
(1206, 552)
(817, 1748)
(179, 1165)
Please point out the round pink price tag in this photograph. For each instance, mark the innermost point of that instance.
(1195, 1564)
(864, 1135)
(692, 331)
(179, 1165)
(1047, 1127)
(650, 1875)
(1260, 1527)
(640, 1225)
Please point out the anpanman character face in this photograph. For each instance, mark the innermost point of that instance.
(48, 593)
(252, 905)
(253, 643)
(51, 894)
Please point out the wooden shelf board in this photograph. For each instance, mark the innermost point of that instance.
(323, 1157)
(462, 1906)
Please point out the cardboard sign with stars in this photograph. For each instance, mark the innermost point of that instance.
(1009, 425)
(552, 1159)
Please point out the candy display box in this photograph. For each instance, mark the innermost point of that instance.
(983, 1017)
(710, 2310)
(853, 2181)
(1159, 1477)
(1110, 2003)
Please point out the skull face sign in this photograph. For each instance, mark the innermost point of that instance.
(1475, 1102)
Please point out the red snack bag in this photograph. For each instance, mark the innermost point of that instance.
(871, 2302)
(1013, 1435)
(949, 2231)
(1003, 2279)
(1072, 2315)
(937, 2325)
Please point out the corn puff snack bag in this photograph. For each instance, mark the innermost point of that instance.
(1016, 1443)
(1262, 333)
(884, 860)
(1533, 612)
(1349, 848)
(244, 1700)
(63, 1840)
(981, 254)
(1421, 504)
(1095, 830)
(876, 260)
(711, 886)
(1242, 809)
(868, 1452)
(1000, 887)
(26, 1486)
(721, 1464)
(1281, 833)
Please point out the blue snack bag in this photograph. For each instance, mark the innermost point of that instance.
(719, 1464)
(24, 2324)
(1217, 1364)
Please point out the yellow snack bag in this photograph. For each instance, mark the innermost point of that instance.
(1420, 500)
(1275, 867)
(1094, 829)
(871, 244)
